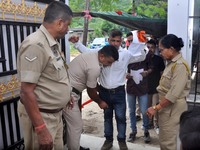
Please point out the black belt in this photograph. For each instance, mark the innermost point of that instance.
(114, 90)
(50, 110)
(75, 91)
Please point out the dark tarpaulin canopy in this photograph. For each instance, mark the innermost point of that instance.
(155, 27)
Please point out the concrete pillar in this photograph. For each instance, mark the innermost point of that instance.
(179, 24)
(67, 45)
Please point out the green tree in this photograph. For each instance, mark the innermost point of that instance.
(100, 26)
(154, 10)
(95, 5)
(148, 8)
(103, 5)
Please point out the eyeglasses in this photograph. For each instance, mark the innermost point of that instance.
(130, 41)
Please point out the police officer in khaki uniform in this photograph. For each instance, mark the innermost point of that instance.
(83, 72)
(173, 89)
(45, 87)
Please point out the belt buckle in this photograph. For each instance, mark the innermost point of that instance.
(112, 91)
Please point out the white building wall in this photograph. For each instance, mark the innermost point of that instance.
(67, 45)
(178, 24)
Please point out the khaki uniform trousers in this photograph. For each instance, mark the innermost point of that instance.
(53, 122)
(169, 118)
(74, 124)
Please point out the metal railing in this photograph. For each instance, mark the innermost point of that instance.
(11, 135)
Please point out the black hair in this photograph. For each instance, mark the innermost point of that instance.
(110, 51)
(57, 10)
(129, 34)
(190, 129)
(171, 40)
(115, 32)
(151, 41)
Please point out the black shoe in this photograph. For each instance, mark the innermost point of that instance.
(138, 118)
(150, 126)
(122, 145)
(147, 138)
(107, 145)
(132, 137)
(83, 148)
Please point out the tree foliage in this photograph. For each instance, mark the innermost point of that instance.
(148, 8)
(155, 9)
(103, 5)
(95, 5)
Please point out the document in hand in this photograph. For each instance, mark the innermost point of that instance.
(136, 48)
(136, 74)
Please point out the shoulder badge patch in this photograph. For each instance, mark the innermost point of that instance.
(31, 59)
(40, 44)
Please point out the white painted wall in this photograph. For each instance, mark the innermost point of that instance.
(178, 24)
(67, 46)
(181, 25)
(190, 31)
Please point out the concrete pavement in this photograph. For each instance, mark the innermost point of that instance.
(95, 143)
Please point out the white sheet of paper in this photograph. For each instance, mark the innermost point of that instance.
(135, 48)
(137, 77)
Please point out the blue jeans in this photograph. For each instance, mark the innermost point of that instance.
(116, 102)
(143, 105)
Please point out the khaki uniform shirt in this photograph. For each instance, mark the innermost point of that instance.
(84, 71)
(175, 82)
(174, 85)
(40, 62)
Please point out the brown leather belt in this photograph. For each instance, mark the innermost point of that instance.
(50, 110)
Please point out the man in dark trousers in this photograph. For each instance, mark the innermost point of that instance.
(112, 87)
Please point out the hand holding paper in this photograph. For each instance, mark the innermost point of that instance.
(136, 74)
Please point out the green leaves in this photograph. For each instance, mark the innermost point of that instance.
(152, 9)
(77, 5)
(103, 5)
(148, 8)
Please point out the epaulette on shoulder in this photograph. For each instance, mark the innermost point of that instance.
(179, 62)
(40, 44)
